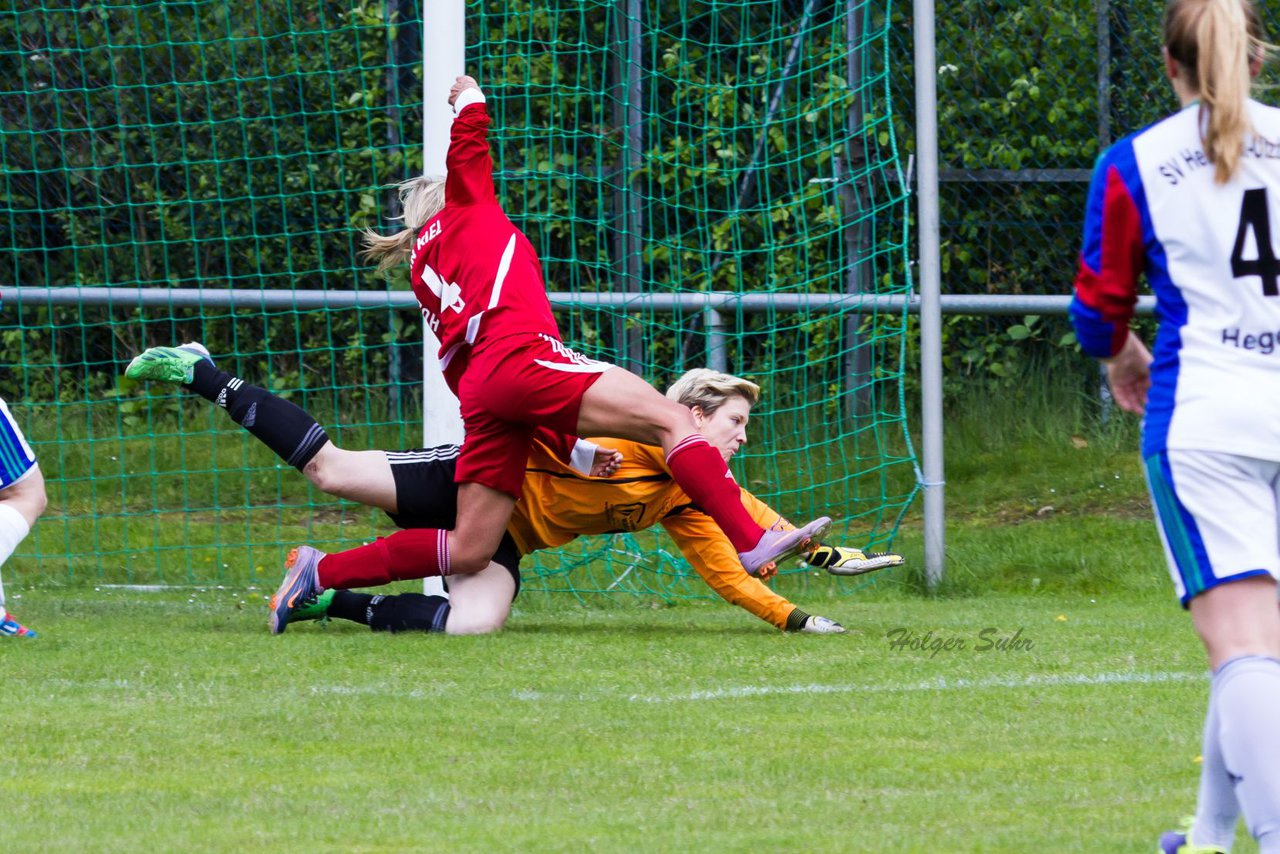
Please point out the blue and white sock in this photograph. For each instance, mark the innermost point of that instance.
(1246, 691)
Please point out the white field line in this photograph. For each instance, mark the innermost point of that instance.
(146, 588)
(161, 588)
(939, 684)
(749, 691)
(729, 693)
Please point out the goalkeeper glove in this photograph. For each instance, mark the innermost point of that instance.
(840, 560)
(822, 626)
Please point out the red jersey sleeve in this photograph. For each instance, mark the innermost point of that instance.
(470, 168)
(1112, 256)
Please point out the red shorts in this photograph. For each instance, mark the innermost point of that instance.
(510, 387)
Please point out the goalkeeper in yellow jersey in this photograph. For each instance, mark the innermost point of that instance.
(561, 501)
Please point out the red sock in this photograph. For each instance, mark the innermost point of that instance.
(415, 553)
(702, 474)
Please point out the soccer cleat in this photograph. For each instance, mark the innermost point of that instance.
(168, 364)
(840, 560)
(301, 587)
(11, 628)
(317, 609)
(1175, 842)
(776, 546)
(822, 626)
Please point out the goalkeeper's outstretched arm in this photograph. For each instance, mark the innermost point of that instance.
(713, 558)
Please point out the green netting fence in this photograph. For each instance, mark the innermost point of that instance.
(1029, 94)
(665, 150)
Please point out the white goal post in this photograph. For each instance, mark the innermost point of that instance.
(444, 47)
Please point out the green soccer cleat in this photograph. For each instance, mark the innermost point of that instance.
(168, 364)
(317, 609)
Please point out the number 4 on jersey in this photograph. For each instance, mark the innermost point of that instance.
(1255, 216)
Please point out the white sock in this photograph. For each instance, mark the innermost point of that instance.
(13, 530)
(1217, 809)
(1247, 693)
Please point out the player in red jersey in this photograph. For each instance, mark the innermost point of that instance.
(480, 286)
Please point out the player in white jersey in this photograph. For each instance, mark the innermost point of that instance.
(22, 500)
(1191, 201)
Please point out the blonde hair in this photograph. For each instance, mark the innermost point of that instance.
(421, 198)
(708, 390)
(1215, 41)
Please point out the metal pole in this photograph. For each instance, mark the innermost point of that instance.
(629, 343)
(444, 57)
(717, 357)
(722, 301)
(444, 42)
(851, 179)
(930, 272)
(394, 17)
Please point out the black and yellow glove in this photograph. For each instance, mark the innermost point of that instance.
(841, 560)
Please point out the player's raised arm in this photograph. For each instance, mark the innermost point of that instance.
(469, 165)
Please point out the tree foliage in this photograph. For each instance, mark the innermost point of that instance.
(1028, 94)
(216, 145)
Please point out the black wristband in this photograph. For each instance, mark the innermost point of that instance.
(796, 620)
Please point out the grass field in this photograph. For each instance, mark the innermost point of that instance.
(172, 720)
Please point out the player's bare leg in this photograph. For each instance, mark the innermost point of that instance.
(27, 496)
(483, 514)
(621, 404)
(22, 504)
(480, 603)
(1240, 618)
(361, 476)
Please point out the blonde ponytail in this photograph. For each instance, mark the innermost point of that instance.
(420, 199)
(1214, 41)
(1223, 71)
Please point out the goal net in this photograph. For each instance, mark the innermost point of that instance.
(707, 184)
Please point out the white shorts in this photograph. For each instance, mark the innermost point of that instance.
(16, 457)
(1218, 516)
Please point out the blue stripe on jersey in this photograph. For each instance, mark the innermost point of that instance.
(1171, 310)
(1180, 529)
(14, 462)
(1093, 333)
(1091, 250)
